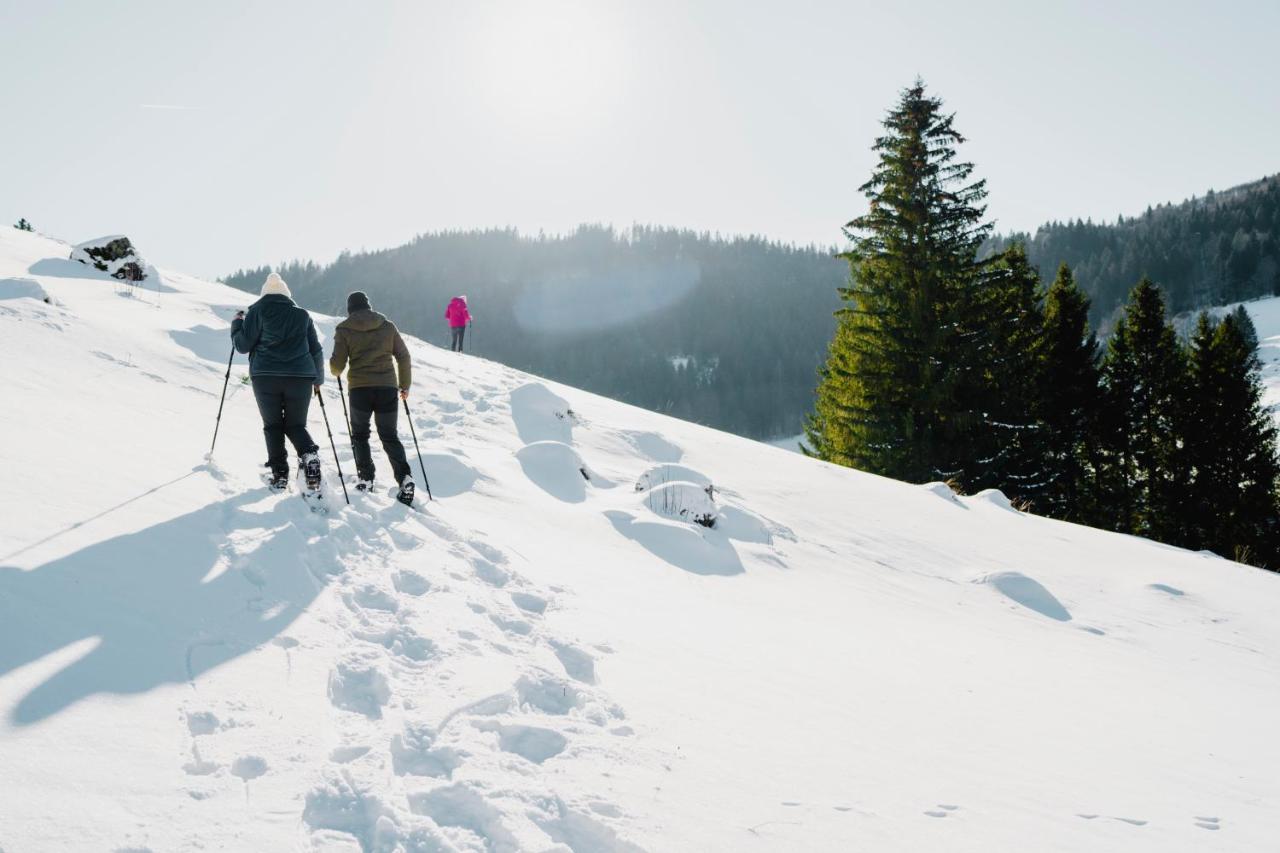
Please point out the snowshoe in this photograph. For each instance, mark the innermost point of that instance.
(276, 481)
(312, 493)
(364, 485)
(405, 493)
(310, 467)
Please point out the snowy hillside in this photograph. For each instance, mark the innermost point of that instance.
(540, 659)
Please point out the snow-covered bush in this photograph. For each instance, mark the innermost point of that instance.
(683, 501)
(671, 473)
(114, 255)
(681, 492)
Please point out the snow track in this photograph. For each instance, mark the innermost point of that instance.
(400, 661)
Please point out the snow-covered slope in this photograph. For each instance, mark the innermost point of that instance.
(540, 661)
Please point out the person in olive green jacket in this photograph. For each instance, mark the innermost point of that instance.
(379, 367)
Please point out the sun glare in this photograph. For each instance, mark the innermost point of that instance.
(555, 62)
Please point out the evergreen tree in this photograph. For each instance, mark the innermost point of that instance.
(890, 399)
(1231, 448)
(1069, 380)
(1244, 323)
(1006, 327)
(23, 225)
(1200, 441)
(1143, 469)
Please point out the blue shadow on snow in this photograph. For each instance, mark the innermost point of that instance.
(166, 603)
(701, 552)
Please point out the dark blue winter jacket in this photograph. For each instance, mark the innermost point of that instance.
(280, 339)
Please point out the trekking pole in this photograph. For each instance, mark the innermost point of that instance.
(471, 334)
(414, 433)
(225, 380)
(342, 395)
(334, 445)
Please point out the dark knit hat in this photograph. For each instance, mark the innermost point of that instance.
(357, 301)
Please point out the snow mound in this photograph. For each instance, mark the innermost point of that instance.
(541, 415)
(1027, 592)
(942, 490)
(745, 526)
(22, 288)
(556, 468)
(653, 446)
(994, 497)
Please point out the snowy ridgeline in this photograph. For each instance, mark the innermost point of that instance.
(612, 631)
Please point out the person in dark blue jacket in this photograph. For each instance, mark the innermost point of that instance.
(286, 362)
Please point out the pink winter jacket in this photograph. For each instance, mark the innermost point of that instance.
(457, 313)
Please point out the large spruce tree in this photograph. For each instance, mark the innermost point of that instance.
(1068, 401)
(1231, 448)
(891, 398)
(1143, 469)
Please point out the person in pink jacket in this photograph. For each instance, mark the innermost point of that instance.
(458, 317)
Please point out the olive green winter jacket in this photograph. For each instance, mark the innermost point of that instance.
(370, 342)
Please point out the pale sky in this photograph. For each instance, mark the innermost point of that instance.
(229, 134)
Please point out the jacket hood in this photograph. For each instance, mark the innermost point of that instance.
(364, 320)
(275, 299)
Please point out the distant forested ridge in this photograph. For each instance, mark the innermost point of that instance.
(730, 332)
(727, 332)
(1224, 247)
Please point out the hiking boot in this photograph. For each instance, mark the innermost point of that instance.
(363, 485)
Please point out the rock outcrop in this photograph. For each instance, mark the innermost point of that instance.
(114, 255)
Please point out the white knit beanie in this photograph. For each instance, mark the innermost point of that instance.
(275, 284)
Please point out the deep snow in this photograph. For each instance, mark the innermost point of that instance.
(540, 661)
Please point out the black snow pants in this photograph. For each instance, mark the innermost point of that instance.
(379, 404)
(283, 402)
(457, 333)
